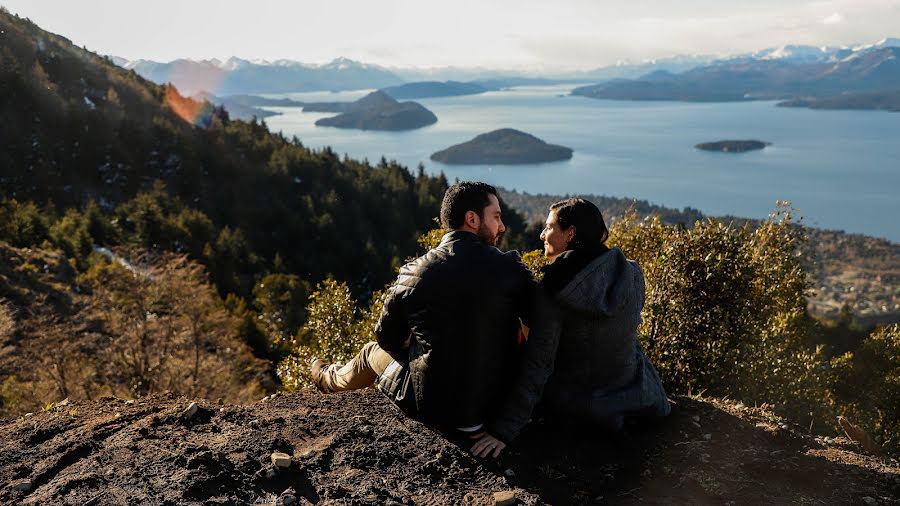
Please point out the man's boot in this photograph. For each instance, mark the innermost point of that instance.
(317, 370)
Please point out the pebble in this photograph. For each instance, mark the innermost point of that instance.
(505, 498)
(509, 473)
(288, 499)
(270, 473)
(281, 459)
(695, 418)
(254, 423)
(707, 437)
(869, 500)
(64, 402)
(695, 424)
(23, 485)
(129, 401)
(191, 410)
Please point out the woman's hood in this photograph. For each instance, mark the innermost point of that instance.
(604, 286)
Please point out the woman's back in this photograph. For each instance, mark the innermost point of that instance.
(599, 311)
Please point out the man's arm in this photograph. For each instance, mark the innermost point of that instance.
(392, 331)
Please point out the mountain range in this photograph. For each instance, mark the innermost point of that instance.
(241, 76)
(875, 69)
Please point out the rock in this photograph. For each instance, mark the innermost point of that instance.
(288, 499)
(695, 424)
(869, 500)
(860, 436)
(191, 410)
(281, 459)
(695, 418)
(64, 402)
(707, 437)
(505, 498)
(509, 473)
(22, 485)
(129, 401)
(270, 473)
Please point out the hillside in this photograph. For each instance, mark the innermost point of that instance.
(356, 448)
(78, 128)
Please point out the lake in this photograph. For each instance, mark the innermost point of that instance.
(840, 169)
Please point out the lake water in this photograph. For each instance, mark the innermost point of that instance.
(840, 169)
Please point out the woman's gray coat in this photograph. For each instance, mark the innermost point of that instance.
(583, 354)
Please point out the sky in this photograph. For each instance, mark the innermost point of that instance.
(503, 34)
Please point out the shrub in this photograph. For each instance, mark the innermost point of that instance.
(725, 310)
(334, 331)
(866, 386)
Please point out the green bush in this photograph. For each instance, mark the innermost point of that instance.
(725, 311)
(866, 386)
(335, 330)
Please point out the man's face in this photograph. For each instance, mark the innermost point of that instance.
(491, 227)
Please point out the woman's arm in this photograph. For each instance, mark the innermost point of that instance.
(537, 365)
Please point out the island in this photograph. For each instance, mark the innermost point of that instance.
(503, 147)
(731, 146)
(876, 100)
(379, 111)
(432, 89)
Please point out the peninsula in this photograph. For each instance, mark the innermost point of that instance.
(731, 146)
(505, 147)
(379, 111)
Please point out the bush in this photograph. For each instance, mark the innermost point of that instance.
(866, 386)
(725, 310)
(334, 331)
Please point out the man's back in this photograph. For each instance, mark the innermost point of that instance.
(462, 302)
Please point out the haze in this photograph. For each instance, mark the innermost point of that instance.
(523, 34)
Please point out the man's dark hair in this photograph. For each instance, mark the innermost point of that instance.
(462, 197)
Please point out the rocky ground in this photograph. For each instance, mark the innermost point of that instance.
(355, 448)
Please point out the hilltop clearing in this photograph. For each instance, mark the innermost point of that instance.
(356, 448)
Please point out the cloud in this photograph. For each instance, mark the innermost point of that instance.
(833, 19)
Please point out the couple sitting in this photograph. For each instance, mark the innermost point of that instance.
(454, 347)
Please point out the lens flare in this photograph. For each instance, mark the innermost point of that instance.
(194, 112)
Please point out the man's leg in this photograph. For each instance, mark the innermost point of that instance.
(360, 372)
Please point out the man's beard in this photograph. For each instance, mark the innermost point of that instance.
(487, 237)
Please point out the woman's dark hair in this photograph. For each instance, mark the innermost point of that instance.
(590, 229)
(462, 197)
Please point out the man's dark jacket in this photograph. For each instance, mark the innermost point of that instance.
(461, 302)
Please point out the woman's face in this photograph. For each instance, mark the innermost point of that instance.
(555, 238)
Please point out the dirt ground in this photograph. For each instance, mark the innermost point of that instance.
(356, 448)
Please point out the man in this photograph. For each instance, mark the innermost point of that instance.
(453, 316)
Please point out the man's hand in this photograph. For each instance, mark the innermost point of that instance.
(485, 444)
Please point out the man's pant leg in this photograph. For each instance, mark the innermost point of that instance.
(361, 372)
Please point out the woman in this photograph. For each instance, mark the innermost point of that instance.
(585, 334)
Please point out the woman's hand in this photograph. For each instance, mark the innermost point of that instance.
(485, 444)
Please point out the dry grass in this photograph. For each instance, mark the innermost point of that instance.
(7, 322)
